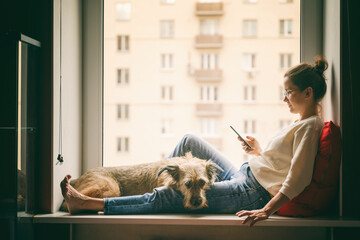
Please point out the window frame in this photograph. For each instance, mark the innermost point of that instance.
(93, 65)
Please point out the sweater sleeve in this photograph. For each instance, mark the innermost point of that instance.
(305, 148)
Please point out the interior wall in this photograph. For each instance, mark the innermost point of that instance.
(331, 50)
(71, 93)
(150, 232)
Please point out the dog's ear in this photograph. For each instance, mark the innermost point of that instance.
(212, 170)
(173, 170)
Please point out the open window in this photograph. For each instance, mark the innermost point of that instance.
(215, 68)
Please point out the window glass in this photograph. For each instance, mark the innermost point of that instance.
(170, 70)
(209, 61)
(286, 27)
(123, 11)
(209, 27)
(249, 28)
(123, 76)
(166, 61)
(209, 1)
(285, 60)
(166, 28)
(249, 61)
(123, 43)
(167, 1)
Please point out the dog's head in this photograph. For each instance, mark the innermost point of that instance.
(192, 177)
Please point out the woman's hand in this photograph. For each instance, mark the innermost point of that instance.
(272, 206)
(256, 149)
(253, 216)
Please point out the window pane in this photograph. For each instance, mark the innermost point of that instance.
(168, 1)
(209, 27)
(166, 28)
(123, 11)
(249, 28)
(209, 71)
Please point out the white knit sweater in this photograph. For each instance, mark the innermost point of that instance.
(287, 162)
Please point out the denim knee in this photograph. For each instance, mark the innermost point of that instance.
(190, 139)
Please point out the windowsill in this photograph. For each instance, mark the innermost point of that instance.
(189, 219)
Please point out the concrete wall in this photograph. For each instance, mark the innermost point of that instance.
(71, 93)
(331, 50)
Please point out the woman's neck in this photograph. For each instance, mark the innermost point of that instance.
(308, 113)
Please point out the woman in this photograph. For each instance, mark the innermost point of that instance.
(271, 178)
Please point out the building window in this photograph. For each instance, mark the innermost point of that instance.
(250, 1)
(250, 28)
(284, 123)
(166, 128)
(123, 111)
(123, 43)
(286, 27)
(209, 127)
(209, 27)
(209, 93)
(285, 60)
(250, 93)
(123, 11)
(123, 144)
(167, 1)
(167, 93)
(249, 126)
(249, 62)
(163, 156)
(167, 61)
(166, 28)
(209, 1)
(209, 61)
(123, 76)
(281, 93)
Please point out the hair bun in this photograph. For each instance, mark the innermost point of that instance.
(320, 64)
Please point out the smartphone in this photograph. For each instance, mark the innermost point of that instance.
(241, 138)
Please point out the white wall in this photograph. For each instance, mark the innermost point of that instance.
(331, 50)
(71, 93)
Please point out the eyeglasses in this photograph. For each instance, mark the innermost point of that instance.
(287, 93)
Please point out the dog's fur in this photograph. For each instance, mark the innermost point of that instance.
(189, 175)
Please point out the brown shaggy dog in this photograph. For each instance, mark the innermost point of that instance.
(189, 175)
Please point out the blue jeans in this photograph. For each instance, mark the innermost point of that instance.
(237, 189)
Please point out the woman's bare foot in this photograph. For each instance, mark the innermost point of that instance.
(77, 202)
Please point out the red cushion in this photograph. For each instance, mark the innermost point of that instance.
(324, 184)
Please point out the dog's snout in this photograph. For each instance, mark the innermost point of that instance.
(196, 201)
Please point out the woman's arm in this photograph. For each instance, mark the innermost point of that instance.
(260, 214)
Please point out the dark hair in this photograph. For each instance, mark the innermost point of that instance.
(306, 75)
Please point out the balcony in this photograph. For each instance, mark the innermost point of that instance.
(215, 141)
(209, 9)
(209, 109)
(210, 75)
(209, 41)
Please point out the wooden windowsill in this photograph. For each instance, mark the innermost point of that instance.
(195, 219)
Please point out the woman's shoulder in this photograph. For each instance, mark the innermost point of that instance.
(313, 122)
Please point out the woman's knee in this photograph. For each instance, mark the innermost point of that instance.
(190, 139)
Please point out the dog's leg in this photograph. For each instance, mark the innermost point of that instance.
(100, 187)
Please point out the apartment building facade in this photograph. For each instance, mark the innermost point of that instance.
(173, 67)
